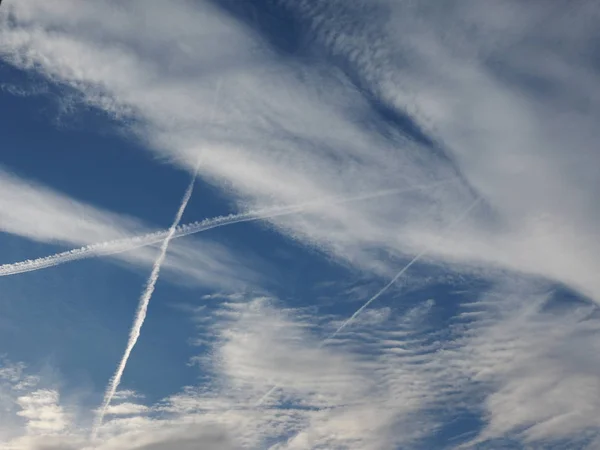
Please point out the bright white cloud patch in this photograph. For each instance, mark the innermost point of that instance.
(42, 412)
(502, 99)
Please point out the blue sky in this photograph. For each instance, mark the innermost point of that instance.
(391, 241)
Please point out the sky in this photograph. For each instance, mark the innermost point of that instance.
(299, 224)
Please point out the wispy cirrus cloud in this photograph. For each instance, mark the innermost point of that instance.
(37, 212)
(535, 359)
(506, 146)
(504, 103)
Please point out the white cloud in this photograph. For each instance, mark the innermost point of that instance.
(515, 114)
(31, 210)
(539, 367)
(126, 409)
(330, 397)
(522, 363)
(42, 411)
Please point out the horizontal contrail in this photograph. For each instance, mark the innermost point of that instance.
(117, 246)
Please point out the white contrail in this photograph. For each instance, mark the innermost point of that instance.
(127, 244)
(142, 309)
(423, 252)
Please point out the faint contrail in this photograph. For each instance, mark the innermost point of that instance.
(127, 244)
(142, 309)
(423, 252)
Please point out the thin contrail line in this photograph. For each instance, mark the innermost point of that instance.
(141, 312)
(142, 309)
(422, 253)
(114, 247)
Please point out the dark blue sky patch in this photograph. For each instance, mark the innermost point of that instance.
(285, 33)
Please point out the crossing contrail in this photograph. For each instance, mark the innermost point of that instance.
(118, 246)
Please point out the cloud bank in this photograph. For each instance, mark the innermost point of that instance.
(390, 380)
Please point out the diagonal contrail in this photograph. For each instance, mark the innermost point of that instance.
(142, 309)
(127, 244)
(422, 253)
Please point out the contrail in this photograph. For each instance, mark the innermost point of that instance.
(127, 244)
(142, 309)
(423, 252)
